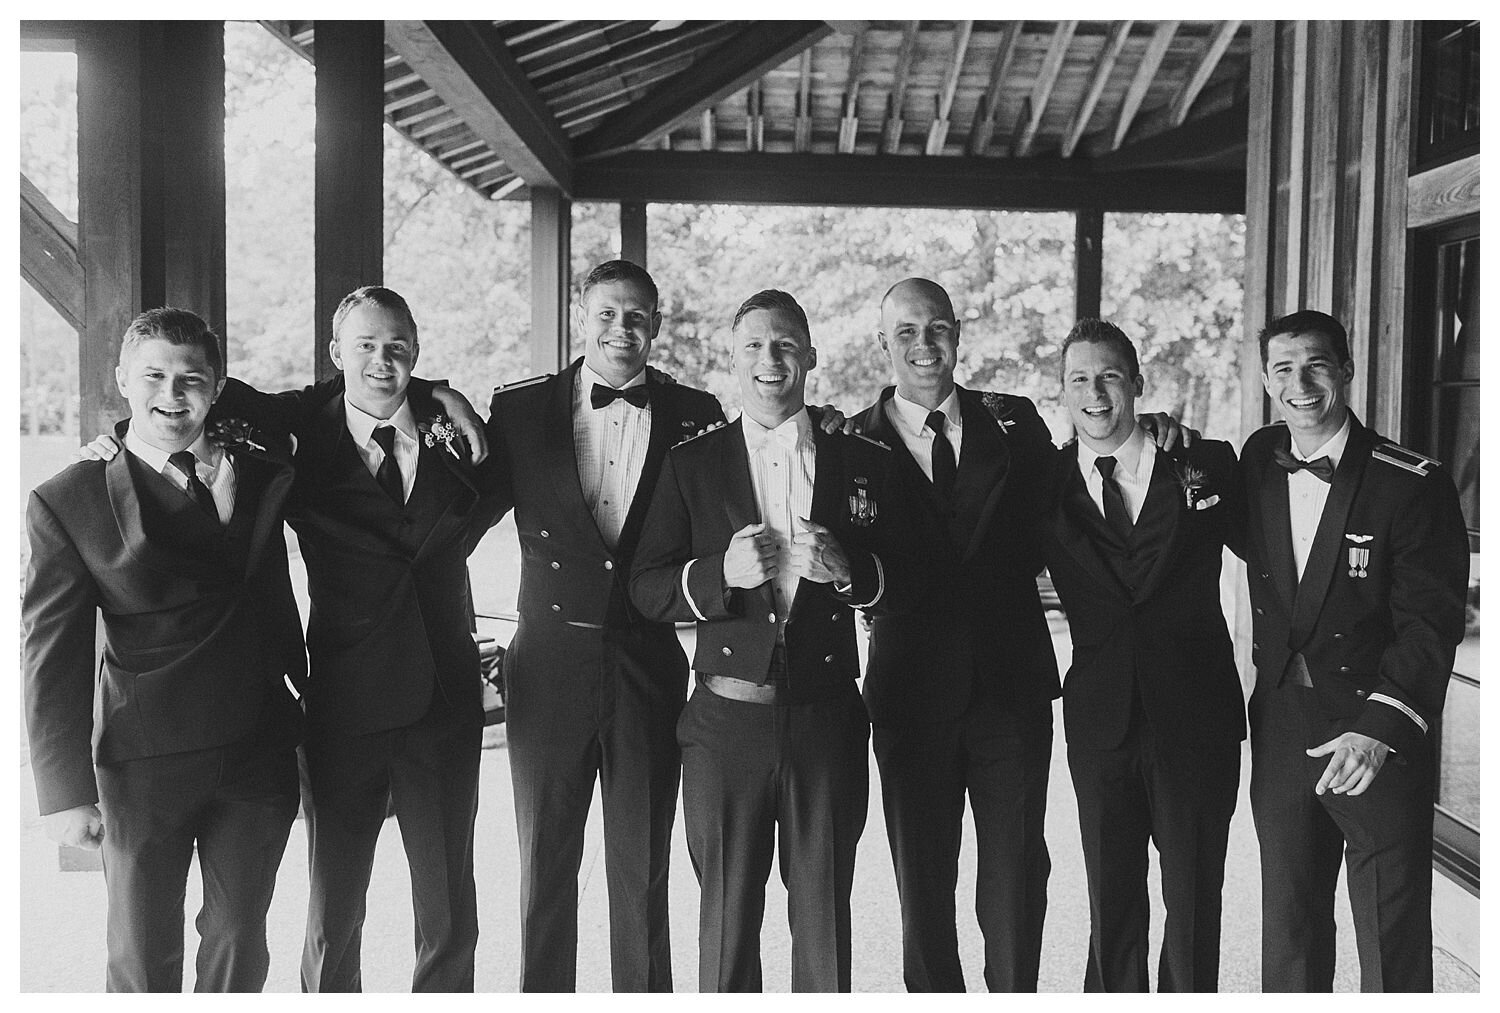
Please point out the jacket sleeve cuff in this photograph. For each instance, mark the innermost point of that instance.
(1392, 726)
(702, 585)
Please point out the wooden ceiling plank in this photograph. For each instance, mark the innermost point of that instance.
(1208, 61)
(1046, 80)
(636, 50)
(707, 138)
(802, 129)
(937, 134)
(1103, 67)
(465, 63)
(983, 129)
(1145, 73)
(713, 77)
(890, 141)
(849, 123)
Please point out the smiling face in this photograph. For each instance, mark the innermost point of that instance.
(617, 321)
(170, 388)
(1100, 394)
(1308, 385)
(772, 357)
(377, 349)
(919, 334)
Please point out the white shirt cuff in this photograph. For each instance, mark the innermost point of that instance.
(1392, 701)
(879, 585)
(688, 594)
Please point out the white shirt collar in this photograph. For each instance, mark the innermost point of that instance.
(794, 432)
(915, 415)
(587, 378)
(1127, 455)
(157, 458)
(362, 424)
(1333, 449)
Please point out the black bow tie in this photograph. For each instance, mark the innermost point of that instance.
(602, 395)
(1322, 467)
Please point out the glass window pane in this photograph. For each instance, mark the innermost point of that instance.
(1458, 780)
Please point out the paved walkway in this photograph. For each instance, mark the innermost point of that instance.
(62, 913)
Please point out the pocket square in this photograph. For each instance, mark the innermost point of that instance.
(1204, 504)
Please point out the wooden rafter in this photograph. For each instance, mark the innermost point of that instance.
(891, 132)
(49, 254)
(710, 79)
(983, 129)
(849, 123)
(465, 63)
(1041, 91)
(937, 135)
(755, 124)
(1208, 61)
(637, 53)
(1145, 73)
(707, 136)
(1119, 31)
(802, 128)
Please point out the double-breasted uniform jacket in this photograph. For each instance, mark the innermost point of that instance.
(200, 626)
(1380, 606)
(981, 624)
(388, 630)
(705, 495)
(568, 573)
(1145, 615)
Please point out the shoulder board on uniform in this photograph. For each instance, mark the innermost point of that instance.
(871, 440)
(702, 432)
(1403, 457)
(529, 382)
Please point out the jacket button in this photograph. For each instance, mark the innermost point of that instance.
(1260, 612)
(835, 617)
(770, 617)
(728, 651)
(1360, 692)
(1343, 668)
(609, 564)
(546, 533)
(828, 659)
(1255, 646)
(1338, 636)
(1264, 576)
(557, 608)
(556, 565)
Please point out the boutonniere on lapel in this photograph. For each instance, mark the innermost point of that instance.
(1193, 481)
(688, 434)
(1359, 556)
(862, 506)
(440, 429)
(996, 406)
(234, 434)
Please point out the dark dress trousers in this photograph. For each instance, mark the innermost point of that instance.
(789, 776)
(959, 693)
(1153, 712)
(1378, 612)
(194, 728)
(393, 701)
(592, 688)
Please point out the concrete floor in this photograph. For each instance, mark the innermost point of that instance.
(62, 913)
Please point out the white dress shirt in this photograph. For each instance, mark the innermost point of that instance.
(362, 426)
(783, 466)
(215, 469)
(610, 444)
(910, 422)
(1307, 493)
(1134, 460)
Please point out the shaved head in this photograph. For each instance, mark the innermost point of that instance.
(919, 335)
(919, 286)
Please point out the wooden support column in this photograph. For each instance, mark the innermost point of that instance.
(633, 232)
(1088, 262)
(551, 259)
(150, 187)
(348, 193)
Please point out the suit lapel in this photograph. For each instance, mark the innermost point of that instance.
(984, 463)
(734, 478)
(1329, 540)
(1276, 525)
(559, 454)
(1160, 522)
(161, 527)
(1077, 524)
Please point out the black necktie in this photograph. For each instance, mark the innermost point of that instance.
(388, 475)
(602, 395)
(944, 464)
(1114, 501)
(1322, 467)
(185, 462)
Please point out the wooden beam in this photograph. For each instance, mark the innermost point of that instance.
(49, 254)
(551, 259)
(466, 64)
(802, 125)
(849, 124)
(348, 184)
(900, 181)
(1221, 97)
(1206, 142)
(633, 232)
(1213, 51)
(890, 136)
(1145, 73)
(713, 77)
(937, 134)
(1088, 262)
(1442, 194)
(755, 123)
(1119, 31)
(707, 135)
(983, 129)
(1041, 90)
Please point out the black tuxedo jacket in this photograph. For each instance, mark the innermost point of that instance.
(981, 624)
(1145, 615)
(705, 495)
(200, 626)
(568, 573)
(1380, 606)
(388, 632)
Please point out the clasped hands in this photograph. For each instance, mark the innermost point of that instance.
(750, 559)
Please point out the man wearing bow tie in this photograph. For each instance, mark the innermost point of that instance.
(177, 544)
(766, 532)
(1358, 561)
(593, 688)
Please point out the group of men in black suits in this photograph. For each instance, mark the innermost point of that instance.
(637, 508)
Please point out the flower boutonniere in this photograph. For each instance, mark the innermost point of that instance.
(234, 434)
(1196, 495)
(996, 406)
(440, 429)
